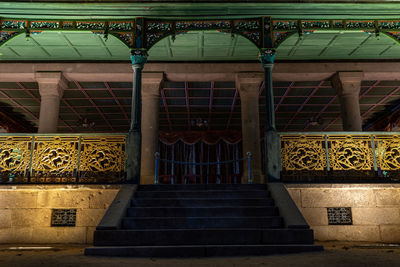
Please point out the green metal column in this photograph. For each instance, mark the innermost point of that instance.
(134, 141)
(272, 140)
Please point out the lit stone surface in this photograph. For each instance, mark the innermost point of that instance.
(347, 233)
(10, 199)
(5, 219)
(379, 216)
(350, 197)
(375, 210)
(59, 235)
(388, 197)
(25, 212)
(315, 216)
(390, 233)
(30, 217)
(64, 199)
(89, 217)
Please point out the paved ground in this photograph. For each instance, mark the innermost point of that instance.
(335, 254)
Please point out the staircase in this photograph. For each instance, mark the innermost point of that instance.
(201, 221)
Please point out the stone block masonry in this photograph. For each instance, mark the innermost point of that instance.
(375, 210)
(25, 212)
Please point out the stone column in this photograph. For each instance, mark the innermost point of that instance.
(248, 85)
(51, 89)
(133, 144)
(347, 85)
(272, 139)
(150, 113)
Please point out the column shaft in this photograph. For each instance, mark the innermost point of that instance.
(248, 85)
(150, 115)
(348, 85)
(272, 139)
(51, 88)
(134, 142)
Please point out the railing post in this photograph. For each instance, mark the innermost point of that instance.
(31, 158)
(328, 167)
(249, 163)
(373, 154)
(78, 159)
(157, 155)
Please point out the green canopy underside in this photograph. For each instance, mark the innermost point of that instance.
(198, 46)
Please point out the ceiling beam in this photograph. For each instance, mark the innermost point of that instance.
(116, 72)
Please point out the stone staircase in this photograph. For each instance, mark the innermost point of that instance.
(201, 221)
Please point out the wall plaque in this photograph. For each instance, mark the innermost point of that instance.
(339, 216)
(63, 217)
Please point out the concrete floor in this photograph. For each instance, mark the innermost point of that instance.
(335, 254)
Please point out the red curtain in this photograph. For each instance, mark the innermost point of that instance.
(193, 137)
(210, 150)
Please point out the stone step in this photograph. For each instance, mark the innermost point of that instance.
(204, 187)
(200, 202)
(199, 251)
(201, 222)
(202, 211)
(203, 194)
(202, 237)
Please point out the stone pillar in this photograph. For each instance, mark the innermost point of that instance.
(347, 85)
(150, 113)
(248, 85)
(51, 89)
(133, 144)
(272, 139)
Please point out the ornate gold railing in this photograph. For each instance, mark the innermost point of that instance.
(346, 155)
(42, 158)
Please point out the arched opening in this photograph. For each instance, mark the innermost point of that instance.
(64, 45)
(203, 46)
(338, 45)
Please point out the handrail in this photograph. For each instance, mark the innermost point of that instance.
(375, 154)
(62, 158)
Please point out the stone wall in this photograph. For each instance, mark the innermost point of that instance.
(375, 210)
(25, 212)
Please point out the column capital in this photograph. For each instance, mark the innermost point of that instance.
(347, 82)
(152, 77)
(267, 57)
(248, 83)
(138, 58)
(51, 83)
(249, 77)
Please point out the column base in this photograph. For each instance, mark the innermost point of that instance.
(273, 156)
(146, 179)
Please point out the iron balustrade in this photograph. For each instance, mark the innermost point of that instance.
(101, 158)
(340, 156)
(62, 158)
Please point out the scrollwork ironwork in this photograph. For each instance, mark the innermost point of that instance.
(350, 152)
(5, 36)
(55, 156)
(102, 157)
(304, 152)
(14, 24)
(15, 155)
(387, 151)
(247, 25)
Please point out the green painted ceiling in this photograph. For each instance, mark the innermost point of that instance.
(336, 45)
(199, 46)
(351, 9)
(64, 46)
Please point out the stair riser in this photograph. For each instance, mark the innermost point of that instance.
(200, 202)
(202, 187)
(202, 212)
(200, 251)
(196, 194)
(202, 237)
(201, 223)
